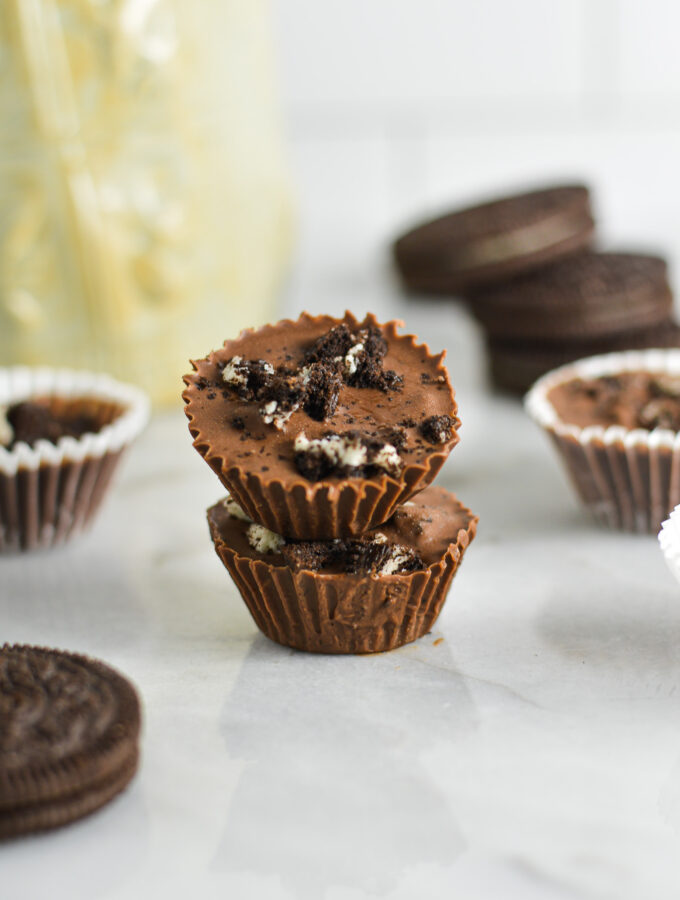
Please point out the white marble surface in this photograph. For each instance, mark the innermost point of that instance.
(534, 752)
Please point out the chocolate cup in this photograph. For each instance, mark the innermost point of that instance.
(331, 508)
(342, 613)
(49, 492)
(629, 479)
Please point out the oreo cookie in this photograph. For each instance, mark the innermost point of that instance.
(69, 734)
(590, 296)
(486, 244)
(515, 365)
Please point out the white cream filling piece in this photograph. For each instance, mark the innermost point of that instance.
(270, 416)
(231, 373)
(339, 450)
(395, 562)
(262, 540)
(235, 510)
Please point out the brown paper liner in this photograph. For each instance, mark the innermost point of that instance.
(628, 479)
(329, 509)
(335, 613)
(43, 507)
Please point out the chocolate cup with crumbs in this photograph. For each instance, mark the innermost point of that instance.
(629, 478)
(256, 461)
(49, 490)
(340, 612)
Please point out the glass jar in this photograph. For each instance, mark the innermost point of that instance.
(145, 211)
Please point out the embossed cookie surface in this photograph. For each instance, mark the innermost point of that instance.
(69, 730)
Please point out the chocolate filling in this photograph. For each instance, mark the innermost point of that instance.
(31, 421)
(416, 536)
(437, 429)
(631, 399)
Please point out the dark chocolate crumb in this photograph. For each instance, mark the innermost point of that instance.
(437, 429)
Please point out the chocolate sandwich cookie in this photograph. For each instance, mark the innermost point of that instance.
(320, 428)
(590, 296)
(69, 732)
(489, 243)
(615, 420)
(357, 595)
(516, 365)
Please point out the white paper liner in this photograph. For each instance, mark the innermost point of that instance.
(49, 491)
(669, 539)
(628, 478)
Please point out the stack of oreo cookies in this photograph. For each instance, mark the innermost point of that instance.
(525, 266)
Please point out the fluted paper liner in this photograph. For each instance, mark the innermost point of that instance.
(628, 478)
(52, 490)
(669, 540)
(331, 508)
(338, 613)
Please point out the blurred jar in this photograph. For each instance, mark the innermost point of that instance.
(144, 201)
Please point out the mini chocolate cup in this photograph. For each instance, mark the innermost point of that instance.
(342, 613)
(669, 541)
(333, 507)
(50, 491)
(628, 478)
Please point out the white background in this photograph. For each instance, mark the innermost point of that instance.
(417, 106)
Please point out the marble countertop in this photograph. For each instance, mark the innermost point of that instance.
(528, 748)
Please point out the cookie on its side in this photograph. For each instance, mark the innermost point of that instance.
(360, 595)
(515, 365)
(489, 243)
(593, 295)
(69, 735)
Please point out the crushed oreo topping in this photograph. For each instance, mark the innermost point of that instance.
(235, 510)
(262, 540)
(247, 376)
(352, 454)
(365, 556)
(662, 412)
(336, 358)
(359, 357)
(322, 389)
(665, 386)
(373, 555)
(437, 429)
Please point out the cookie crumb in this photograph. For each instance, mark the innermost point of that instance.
(437, 429)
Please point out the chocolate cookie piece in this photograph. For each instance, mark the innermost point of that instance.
(360, 595)
(339, 459)
(69, 732)
(590, 296)
(489, 243)
(515, 365)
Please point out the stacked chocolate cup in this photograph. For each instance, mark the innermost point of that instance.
(327, 434)
(544, 298)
